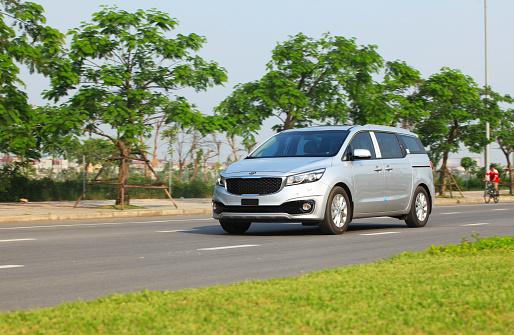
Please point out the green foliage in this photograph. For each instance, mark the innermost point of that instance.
(504, 133)
(14, 186)
(124, 67)
(469, 164)
(391, 101)
(192, 189)
(121, 71)
(28, 42)
(417, 293)
(305, 83)
(93, 150)
(453, 100)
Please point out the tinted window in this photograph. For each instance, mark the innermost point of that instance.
(361, 141)
(389, 145)
(299, 143)
(413, 144)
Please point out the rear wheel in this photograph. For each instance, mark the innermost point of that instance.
(419, 211)
(337, 213)
(235, 226)
(496, 196)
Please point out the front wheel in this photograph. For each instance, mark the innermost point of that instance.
(487, 196)
(235, 226)
(419, 210)
(338, 213)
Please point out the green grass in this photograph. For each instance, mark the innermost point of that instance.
(455, 289)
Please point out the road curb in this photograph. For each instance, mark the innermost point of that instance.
(109, 215)
(456, 201)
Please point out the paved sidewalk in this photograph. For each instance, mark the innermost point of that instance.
(88, 209)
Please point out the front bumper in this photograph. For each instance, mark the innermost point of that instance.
(299, 203)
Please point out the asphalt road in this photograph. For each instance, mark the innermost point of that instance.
(43, 264)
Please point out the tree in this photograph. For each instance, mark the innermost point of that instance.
(306, 82)
(92, 150)
(504, 134)
(391, 101)
(121, 70)
(456, 110)
(29, 42)
(470, 165)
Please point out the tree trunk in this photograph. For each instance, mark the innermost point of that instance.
(233, 148)
(123, 195)
(443, 176)
(289, 122)
(507, 153)
(180, 170)
(511, 177)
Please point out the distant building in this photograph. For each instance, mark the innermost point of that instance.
(454, 163)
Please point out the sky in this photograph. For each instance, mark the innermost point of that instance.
(427, 34)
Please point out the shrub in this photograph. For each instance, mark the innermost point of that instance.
(14, 186)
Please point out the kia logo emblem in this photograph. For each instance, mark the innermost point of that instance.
(253, 172)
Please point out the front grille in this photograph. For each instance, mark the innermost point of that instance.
(253, 185)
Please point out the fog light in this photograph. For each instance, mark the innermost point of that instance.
(214, 206)
(306, 207)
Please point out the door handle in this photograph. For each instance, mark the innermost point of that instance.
(389, 169)
(377, 169)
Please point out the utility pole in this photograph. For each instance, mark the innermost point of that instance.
(487, 127)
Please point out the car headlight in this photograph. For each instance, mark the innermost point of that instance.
(307, 177)
(220, 181)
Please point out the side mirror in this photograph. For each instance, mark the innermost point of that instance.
(361, 154)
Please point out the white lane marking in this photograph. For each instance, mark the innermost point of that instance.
(473, 224)
(174, 220)
(500, 209)
(11, 266)
(230, 247)
(67, 225)
(385, 233)
(19, 239)
(450, 213)
(175, 231)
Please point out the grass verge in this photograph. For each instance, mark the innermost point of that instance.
(453, 289)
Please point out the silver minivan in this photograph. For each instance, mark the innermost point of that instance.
(327, 176)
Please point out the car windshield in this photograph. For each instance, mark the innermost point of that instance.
(298, 143)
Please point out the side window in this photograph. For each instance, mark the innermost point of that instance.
(389, 145)
(360, 141)
(413, 144)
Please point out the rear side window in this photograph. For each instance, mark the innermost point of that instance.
(413, 144)
(389, 145)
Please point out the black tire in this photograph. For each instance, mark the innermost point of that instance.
(487, 197)
(419, 209)
(235, 226)
(338, 213)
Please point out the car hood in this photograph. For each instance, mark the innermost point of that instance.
(277, 166)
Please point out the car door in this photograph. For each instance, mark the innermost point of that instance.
(368, 176)
(397, 172)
